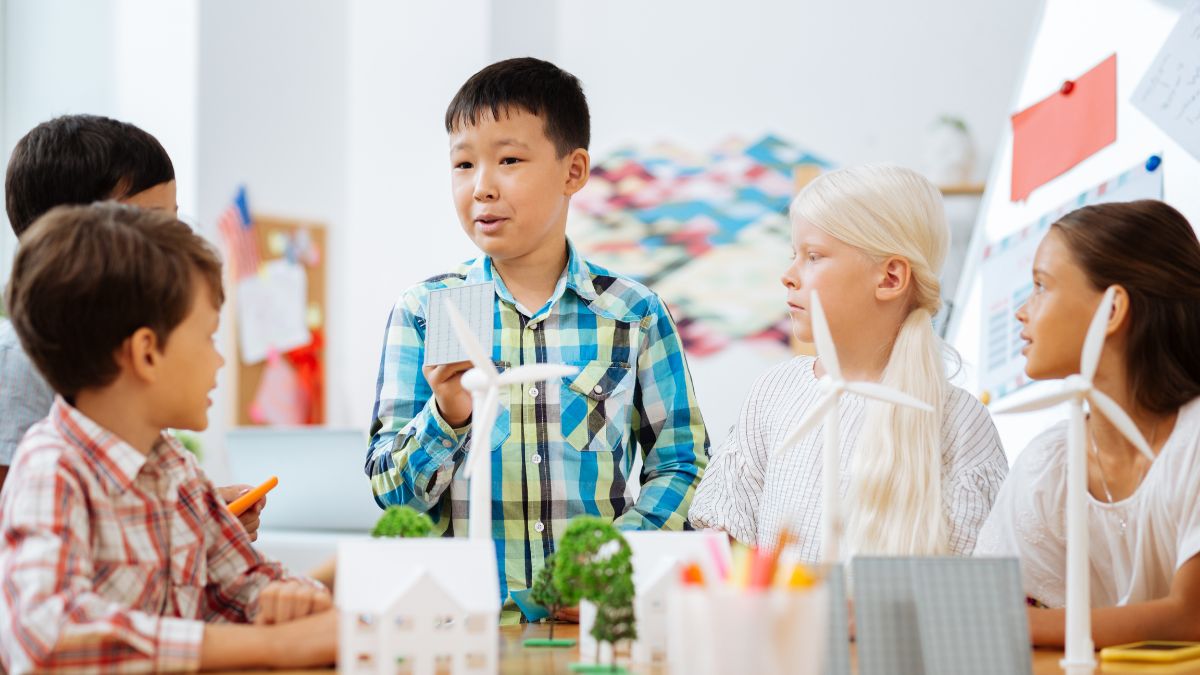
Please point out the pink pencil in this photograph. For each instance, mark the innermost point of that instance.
(714, 548)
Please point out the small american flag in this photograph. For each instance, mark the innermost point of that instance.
(238, 233)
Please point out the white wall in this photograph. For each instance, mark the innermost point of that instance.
(271, 115)
(333, 111)
(1074, 36)
(406, 60)
(58, 58)
(853, 81)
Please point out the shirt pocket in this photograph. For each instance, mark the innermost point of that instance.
(597, 407)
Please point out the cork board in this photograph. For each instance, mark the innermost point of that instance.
(249, 376)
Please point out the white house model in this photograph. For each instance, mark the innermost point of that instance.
(658, 558)
(419, 606)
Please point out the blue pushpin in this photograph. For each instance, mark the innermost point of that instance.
(1153, 163)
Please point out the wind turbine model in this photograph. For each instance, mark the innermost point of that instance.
(484, 382)
(832, 387)
(1080, 651)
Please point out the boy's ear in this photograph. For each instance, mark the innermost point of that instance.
(579, 169)
(140, 354)
(895, 276)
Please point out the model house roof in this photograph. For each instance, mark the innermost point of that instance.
(373, 575)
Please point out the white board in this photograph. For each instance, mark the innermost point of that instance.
(1073, 36)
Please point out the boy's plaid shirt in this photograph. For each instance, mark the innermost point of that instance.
(111, 560)
(561, 448)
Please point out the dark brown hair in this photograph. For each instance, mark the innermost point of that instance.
(80, 159)
(85, 278)
(1149, 249)
(534, 86)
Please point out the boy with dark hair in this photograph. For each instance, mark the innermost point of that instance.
(77, 159)
(116, 553)
(519, 133)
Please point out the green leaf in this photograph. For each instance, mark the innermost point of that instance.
(402, 521)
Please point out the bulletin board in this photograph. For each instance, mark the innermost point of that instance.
(273, 235)
(1070, 39)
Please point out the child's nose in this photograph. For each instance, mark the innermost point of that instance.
(485, 187)
(789, 280)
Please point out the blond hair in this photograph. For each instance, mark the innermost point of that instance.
(896, 471)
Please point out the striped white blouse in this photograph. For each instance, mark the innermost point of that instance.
(750, 495)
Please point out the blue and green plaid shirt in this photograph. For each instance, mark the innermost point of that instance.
(560, 449)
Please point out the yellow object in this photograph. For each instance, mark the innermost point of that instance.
(1152, 651)
(801, 577)
(741, 567)
(276, 243)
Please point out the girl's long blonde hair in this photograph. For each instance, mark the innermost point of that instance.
(896, 486)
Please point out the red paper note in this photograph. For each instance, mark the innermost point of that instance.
(1058, 132)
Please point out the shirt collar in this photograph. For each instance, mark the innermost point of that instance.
(576, 277)
(116, 462)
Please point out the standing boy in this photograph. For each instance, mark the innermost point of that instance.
(519, 132)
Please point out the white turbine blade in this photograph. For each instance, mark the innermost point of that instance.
(481, 431)
(481, 358)
(536, 372)
(1047, 401)
(1121, 420)
(824, 340)
(887, 395)
(1094, 342)
(810, 421)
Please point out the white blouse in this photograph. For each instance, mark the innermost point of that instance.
(751, 495)
(1130, 562)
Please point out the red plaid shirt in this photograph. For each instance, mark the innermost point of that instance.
(112, 560)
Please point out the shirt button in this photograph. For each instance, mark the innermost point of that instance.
(446, 443)
(539, 526)
(533, 392)
(598, 389)
(537, 459)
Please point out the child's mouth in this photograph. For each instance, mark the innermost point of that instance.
(490, 225)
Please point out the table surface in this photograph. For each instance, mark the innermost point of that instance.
(516, 659)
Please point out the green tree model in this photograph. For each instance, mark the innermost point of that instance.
(595, 563)
(546, 594)
(402, 521)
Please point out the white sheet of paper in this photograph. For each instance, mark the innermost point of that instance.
(1007, 271)
(475, 303)
(1169, 92)
(272, 307)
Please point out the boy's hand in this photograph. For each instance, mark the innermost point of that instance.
(306, 643)
(250, 517)
(283, 601)
(568, 614)
(453, 402)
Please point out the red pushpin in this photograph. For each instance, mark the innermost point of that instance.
(1067, 87)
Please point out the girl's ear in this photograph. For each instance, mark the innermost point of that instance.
(1119, 319)
(895, 276)
(579, 168)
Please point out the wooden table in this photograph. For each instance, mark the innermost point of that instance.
(515, 659)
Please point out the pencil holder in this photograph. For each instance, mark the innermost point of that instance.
(722, 629)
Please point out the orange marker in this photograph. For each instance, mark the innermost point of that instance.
(238, 506)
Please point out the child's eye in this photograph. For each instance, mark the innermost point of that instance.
(1038, 288)
(509, 160)
(463, 165)
(814, 257)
